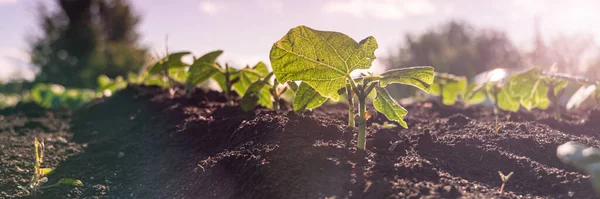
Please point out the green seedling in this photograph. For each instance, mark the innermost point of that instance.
(231, 80)
(474, 95)
(39, 177)
(265, 93)
(108, 86)
(307, 98)
(504, 179)
(8, 100)
(537, 90)
(202, 69)
(557, 82)
(323, 60)
(168, 65)
(350, 94)
(171, 66)
(55, 96)
(498, 93)
(450, 88)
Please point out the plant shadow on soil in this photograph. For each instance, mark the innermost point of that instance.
(145, 143)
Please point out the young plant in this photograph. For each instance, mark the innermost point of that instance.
(536, 90)
(323, 60)
(264, 92)
(202, 69)
(231, 80)
(39, 174)
(474, 95)
(504, 179)
(497, 91)
(107, 86)
(168, 65)
(56, 96)
(450, 88)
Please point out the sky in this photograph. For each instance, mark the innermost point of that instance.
(246, 29)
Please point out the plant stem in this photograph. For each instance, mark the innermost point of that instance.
(496, 109)
(275, 97)
(556, 109)
(362, 123)
(442, 94)
(502, 187)
(227, 85)
(350, 106)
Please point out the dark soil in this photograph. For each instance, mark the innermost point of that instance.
(144, 143)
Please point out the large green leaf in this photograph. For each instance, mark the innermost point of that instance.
(389, 107)
(307, 98)
(322, 59)
(172, 61)
(203, 68)
(420, 77)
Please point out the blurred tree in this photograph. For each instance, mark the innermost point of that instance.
(86, 38)
(455, 48)
(572, 54)
(575, 54)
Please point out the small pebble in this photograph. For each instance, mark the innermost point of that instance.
(121, 154)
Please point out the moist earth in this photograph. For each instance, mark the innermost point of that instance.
(144, 142)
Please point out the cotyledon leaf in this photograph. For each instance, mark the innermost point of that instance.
(389, 107)
(419, 76)
(70, 182)
(307, 98)
(322, 59)
(46, 171)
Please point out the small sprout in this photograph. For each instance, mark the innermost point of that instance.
(39, 175)
(504, 179)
